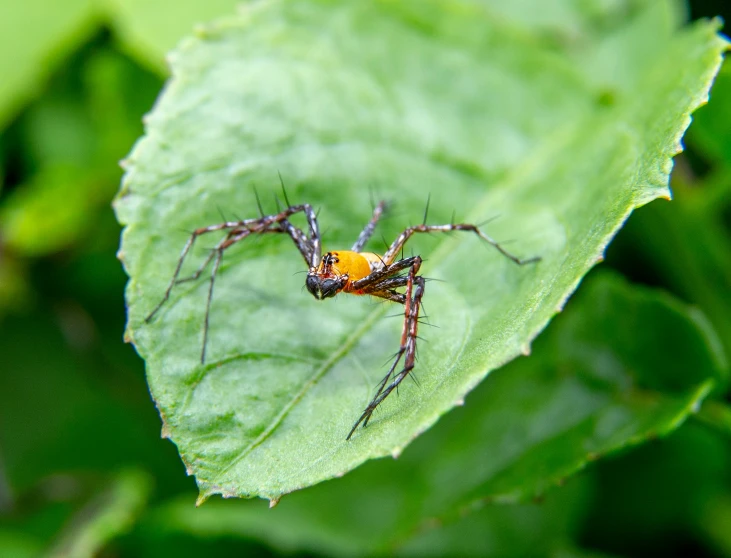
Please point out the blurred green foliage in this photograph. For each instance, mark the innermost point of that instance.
(311, 103)
(83, 470)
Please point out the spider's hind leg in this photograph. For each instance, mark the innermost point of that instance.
(407, 350)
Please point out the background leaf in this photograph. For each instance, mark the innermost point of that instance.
(439, 97)
(74, 405)
(32, 35)
(149, 29)
(74, 136)
(111, 513)
(587, 391)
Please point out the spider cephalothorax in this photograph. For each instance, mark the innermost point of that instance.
(339, 271)
(350, 271)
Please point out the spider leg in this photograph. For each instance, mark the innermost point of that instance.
(231, 239)
(387, 285)
(308, 245)
(200, 269)
(366, 284)
(186, 249)
(212, 255)
(367, 232)
(398, 244)
(219, 255)
(407, 349)
(393, 296)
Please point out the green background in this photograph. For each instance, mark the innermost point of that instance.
(612, 466)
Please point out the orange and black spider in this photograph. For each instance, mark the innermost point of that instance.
(348, 271)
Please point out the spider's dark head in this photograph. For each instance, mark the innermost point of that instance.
(323, 287)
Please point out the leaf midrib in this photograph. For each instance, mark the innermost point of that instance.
(344, 348)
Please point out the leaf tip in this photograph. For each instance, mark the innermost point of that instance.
(274, 501)
(396, 452)
(202, 497)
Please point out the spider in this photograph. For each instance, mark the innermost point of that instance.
(339, 271)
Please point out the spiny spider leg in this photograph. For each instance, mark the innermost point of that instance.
(388, 284)
(407, 349)
(367, 232)
(387, 271)
(393, 296)
(398, 244)
(212, 254)
(382, 282)
(411, 324)
(188, 245)
(309, 247)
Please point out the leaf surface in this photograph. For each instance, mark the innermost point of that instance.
(557, 130)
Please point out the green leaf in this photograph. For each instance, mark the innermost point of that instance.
(57, 379)
(108, 515)
(589, 390)
(542, 528)
(34, 36)
(75, 135)
(711, 130)
(488, 115)
(46, 215)
(150, 28)
(717, 415)
(513, 530)
(715, 522)
(14, 288)
(688, 248)
(19, 545)
(662, 493)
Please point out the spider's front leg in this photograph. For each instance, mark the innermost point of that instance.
(384, 287)
(308, 246)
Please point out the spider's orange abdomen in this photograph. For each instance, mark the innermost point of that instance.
(353, 264)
